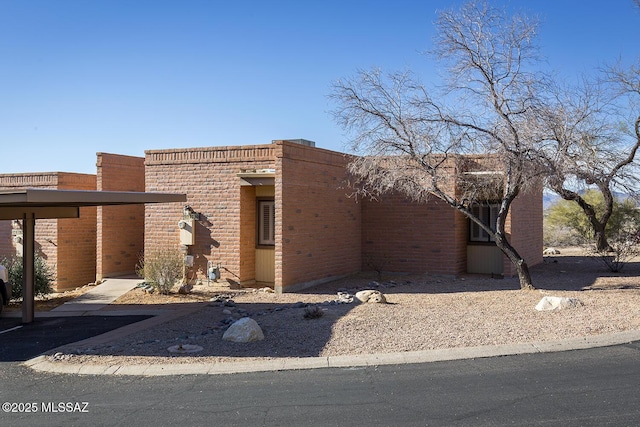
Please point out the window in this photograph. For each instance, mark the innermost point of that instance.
(488, 214)
(266, 222)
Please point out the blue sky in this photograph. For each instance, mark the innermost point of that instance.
(84, 76)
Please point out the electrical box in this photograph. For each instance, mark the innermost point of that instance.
(188, 260)
(187, 232)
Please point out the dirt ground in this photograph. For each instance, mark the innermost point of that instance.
(423, 312)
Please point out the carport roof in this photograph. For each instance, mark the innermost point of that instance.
(50, 203)
(31, 204)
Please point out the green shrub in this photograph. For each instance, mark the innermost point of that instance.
(43, 275)
(161, 268)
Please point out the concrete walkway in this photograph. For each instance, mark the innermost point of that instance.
(99, 297)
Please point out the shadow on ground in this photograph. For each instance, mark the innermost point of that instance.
(20, 342)
(289, 334)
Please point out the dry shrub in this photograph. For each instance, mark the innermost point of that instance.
(161, 268)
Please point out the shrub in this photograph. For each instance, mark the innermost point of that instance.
(623, 247)
(43, 275)
(161, 268)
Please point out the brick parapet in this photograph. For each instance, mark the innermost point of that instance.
(207, 155)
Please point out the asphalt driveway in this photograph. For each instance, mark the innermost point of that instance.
(20, 342)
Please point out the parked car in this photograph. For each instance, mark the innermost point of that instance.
(5, 288)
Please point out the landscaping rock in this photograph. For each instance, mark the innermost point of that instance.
(371, 296)
(244, 330)
(549, 303)
(551, 251)
(345, 297)
(185, 289)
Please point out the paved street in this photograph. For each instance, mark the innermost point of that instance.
(574, 388)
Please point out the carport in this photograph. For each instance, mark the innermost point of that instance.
(32, 204)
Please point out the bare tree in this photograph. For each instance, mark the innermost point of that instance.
(590, 145)
(409, 142)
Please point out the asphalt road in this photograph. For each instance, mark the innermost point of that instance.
(595, 387)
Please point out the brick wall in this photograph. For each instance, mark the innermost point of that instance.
(120, 229)
(524, 228)
(248, 226)
(67, 245)
(46, 229)
(399, 235)
(77, 237)
(209, 178)
(318, 226)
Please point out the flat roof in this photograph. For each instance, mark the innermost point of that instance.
(50, 203)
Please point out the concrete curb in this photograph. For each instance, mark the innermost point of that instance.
(41, 363)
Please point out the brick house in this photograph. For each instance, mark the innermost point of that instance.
(280, 215)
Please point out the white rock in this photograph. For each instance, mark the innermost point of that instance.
(551, 251)
(557, 303)
(244, 330)
(371, 296)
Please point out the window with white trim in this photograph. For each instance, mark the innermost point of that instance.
(266, 222)
(488, 214)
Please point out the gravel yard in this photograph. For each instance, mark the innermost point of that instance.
(423, 312)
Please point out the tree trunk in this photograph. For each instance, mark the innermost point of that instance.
(602, 244)
(520, 264)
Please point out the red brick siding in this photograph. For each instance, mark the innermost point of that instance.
(120, 229)
(399, 235)
(318, 226)
(209, 178)
(67, 245)
(524, 229)
(45, 231)
(247, 233)
(77, 237)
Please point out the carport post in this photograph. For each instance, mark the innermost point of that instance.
(28, 266)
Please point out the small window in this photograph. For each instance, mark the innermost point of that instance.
(266, 222)
(488, 214)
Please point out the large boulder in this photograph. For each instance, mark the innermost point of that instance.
(244, 330)
(549, 303)
(372, 296)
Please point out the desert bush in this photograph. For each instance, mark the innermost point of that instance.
(161, 268)
(623, 247)
(44, 276)
(555, 235)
